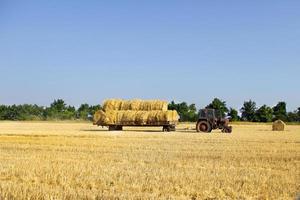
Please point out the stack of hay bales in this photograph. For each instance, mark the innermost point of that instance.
(278, 125)
(135, 112)
(136, 104)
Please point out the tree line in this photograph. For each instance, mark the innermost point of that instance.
(59, 110)
(249, 112)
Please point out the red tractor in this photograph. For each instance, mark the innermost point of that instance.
(210, 119)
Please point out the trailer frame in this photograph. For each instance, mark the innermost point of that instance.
(166, 126)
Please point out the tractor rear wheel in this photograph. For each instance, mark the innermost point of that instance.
(203, 126)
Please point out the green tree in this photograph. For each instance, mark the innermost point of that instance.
(21, 112)
(3, 111)
(94, 108)
(60, 111)
(172, 106)
(83, 111)
(279, 111)
(58, 105)
(12, 113)
(30, 112)
(70, 113)
(248, 111)
(264, 114)
(233, 114)
(218, 105)
(185, 111)
(292, 116)
(86, 112)
(192, 113)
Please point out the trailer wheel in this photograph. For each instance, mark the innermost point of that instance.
(203, 126)
(172, 128)
(169, 128)
(227, 129)
(115, 128)
(166, 129)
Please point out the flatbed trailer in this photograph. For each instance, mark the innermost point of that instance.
(166, 126)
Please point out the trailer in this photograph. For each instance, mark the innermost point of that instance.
(166, 126)
(117, 113)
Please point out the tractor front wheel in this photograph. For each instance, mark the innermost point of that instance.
(203, 126)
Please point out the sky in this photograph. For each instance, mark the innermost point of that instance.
(193, 51)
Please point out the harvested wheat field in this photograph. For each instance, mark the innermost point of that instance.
(61, 160)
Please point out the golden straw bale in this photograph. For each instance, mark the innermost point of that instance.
(112, 116)
(128, 116)
(278, 125)
(112, 104)
(97, 116)
(141, 117)
(118, 116)
(124, 105)
(175, 116)
(100, 117)
(135, 104)
(152, 117)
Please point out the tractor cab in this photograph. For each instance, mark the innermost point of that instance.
(209, 114)
(210, 119)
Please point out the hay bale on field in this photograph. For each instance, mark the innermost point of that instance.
(278, 125)
(136, 104)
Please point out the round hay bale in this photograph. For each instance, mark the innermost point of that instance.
(100, 117)
(112, 104)
(127, 116)
(278, 125)
(151, 117)
(112, 117)
(141, 117)
(97, 116)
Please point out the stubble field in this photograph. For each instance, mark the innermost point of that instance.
(65, 160)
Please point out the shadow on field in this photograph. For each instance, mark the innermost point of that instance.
(131, 130)
(94, 130)
(138, 130)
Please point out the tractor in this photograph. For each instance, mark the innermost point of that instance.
(210, 119)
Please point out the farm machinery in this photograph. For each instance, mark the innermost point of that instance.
(210, 119)
(117, 113)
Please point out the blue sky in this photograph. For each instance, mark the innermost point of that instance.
(87, 51)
